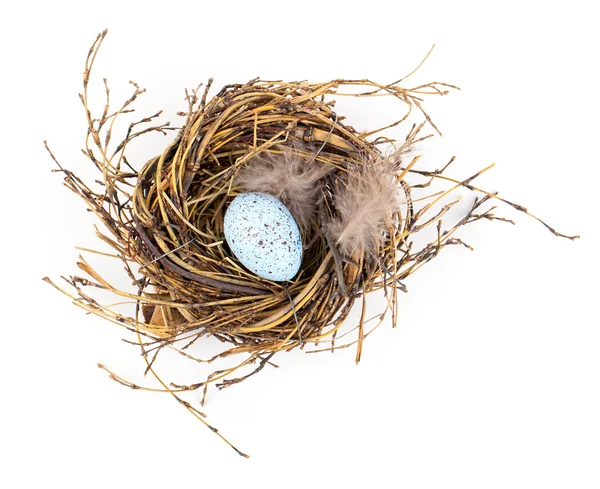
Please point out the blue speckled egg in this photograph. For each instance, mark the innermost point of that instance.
(262, 234)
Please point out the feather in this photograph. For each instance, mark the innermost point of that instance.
(291, 175)
(363, 203)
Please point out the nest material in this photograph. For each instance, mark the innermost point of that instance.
(167, 218)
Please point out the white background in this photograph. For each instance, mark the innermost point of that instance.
(492, 377)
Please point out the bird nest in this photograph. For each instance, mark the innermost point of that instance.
(352, 199)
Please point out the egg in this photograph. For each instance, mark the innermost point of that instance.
(263, 235)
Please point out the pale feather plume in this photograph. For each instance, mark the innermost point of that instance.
(364, 201)
(292, 175)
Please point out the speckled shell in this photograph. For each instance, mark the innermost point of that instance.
(262, 234)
